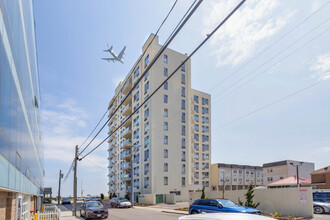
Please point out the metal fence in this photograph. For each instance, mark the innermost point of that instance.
(51, 212)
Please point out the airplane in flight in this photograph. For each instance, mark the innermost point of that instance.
(116, 57)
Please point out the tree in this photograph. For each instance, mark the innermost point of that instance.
(114, 195)
(127, 196)
(249, 198)
(102, 196)
(203, 193)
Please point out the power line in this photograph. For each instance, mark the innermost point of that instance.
(270, 46)
(160, 86)
(68, 173)
(221, 98)
(268, 105)
(139, 59)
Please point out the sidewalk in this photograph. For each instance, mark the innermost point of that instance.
(166, 208)
(66, 214)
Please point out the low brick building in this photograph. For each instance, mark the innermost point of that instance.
(321, 178)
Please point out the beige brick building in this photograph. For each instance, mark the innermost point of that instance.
(169, 136)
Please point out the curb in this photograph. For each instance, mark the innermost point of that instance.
(175, 212)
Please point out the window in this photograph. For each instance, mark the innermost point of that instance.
(183, 169)
(165, 167)
(146, 87)
(183, 156)
(136, 159)
(136, 72)
(183, 117)
(146, 141)
(145, 98)
(137, 183)
(183, 104)
(247, 172)
(165, 153)
(165, 99)
(196, 137)
(205, 138)
(205, 128)
(166, 86)
(183, 143)
(196, 117)
(146, 182)
(146, 155)
(196, 108)
(136, 171)
(165, 58)
(165, 180)
(206, 157)
(165, 112)
(196, 98)
(206, 147)
(205, 110)
(196, 175)
(183, 92)
(146, 61)
(136, 133)
(165, 139)
(183, 130)
(205, 119)
(136, 107)
(205, 101)
(196, 146)
(146, 168)
(183, 69)
(196, 128)
(183, 79)
(146, 76)
(146, 114)
(165, 126)
(146, 127)
(136, 96)
(183, 181)
(136, 121)
(165, 72)
(196, 157)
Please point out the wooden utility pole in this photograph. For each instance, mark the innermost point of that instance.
(59, 187)
(74, 210)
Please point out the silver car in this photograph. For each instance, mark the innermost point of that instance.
(321, 207)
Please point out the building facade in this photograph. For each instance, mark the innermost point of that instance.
(235, 177)
(321, 178)
(165, 146)
(282, 169)
(21, 151)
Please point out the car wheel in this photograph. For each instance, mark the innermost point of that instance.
(81, 214)
(318, 209)
(117, 205)
(194, 212)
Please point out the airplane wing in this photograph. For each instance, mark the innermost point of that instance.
(121, 54)
(109, 59)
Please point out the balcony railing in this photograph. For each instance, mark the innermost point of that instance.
(123, 132)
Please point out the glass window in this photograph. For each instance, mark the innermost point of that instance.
(183, 169)
(196, 146)
(146, 182)
(165, 112)
(205, 119)
(165, 139)
(146, 114)
(183, 181)
(205, 110)
(183, 117)
(196, 137)
(136, 72)
(183, 130)
(146, 87)
(196, 128)
(205, 101)
(136, 96)
(146, 155)
(165, 153)
(136, 121)
(165, 180)
(196, 108)
(165, 167)
(196, 98)
(165, 126)
(196, 117)
(183, 67)
(183, 156)
(205, 138)
(146, 75)
(196, 156)
(146, 168)
(183, 92)
(165, 99)
(136, 133)
(146, 61)
(146, 141)
(206, 147)
(183, 143)
(183, 104)
(183, 79)
(165, 58)
(165, 72)
(166, 86)
(146, 127)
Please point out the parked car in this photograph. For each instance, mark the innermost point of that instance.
(224, 216)
(66, 201)
(321, 196)
(321, 207)
(120, 203)
(218, 205)
(93, 209)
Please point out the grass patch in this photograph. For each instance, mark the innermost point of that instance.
(182, 209)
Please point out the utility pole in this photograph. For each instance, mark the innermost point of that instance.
(297, 165)
(74, 210)
(59, 187)
(223, 185)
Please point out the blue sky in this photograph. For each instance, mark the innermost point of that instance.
(266, 51)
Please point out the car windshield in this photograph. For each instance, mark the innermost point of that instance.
(94, 204)
(227, 203)
(123, 200)
(65, 199)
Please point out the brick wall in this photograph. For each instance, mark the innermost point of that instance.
(11, 206)
(3, 204)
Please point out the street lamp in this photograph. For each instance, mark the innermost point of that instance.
(297, 165)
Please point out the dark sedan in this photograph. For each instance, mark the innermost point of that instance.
(66, 201)
(120, 203)
(93, 209)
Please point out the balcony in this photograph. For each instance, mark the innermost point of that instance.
(127, 144)
(128, 99)
(126, 166)
(126, 177)
(127, 86)
(112, 154)
(126, 155)
(112, 120)
(127, 122)
(126, 133)
(127, 110)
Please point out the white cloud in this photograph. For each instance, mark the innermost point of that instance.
(253, 22)
(322, 67)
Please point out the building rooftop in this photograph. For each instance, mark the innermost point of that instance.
(238, 166)
(322, 170)
(292, 180)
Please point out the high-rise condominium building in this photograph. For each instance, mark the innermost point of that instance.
(169, 138)
(21, 152)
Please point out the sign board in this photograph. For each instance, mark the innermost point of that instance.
(303, 196)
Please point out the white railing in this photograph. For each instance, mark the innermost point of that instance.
(50, 213)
